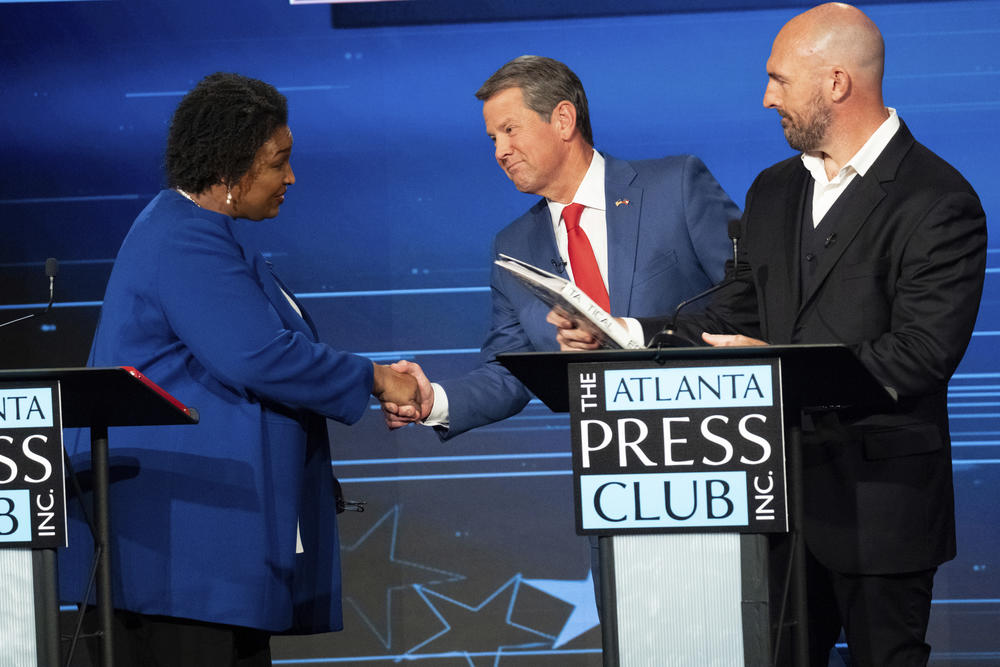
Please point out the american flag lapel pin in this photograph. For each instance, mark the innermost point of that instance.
(621, 202)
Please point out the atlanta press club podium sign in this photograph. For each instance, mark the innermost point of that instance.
(32, 493)
(670, 464)
(694, 447)
(32, 520)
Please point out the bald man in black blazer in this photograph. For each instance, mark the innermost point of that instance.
(871, 240)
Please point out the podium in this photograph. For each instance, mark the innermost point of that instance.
(94, 398)
(679, 460)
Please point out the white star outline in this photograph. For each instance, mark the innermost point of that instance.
(445, 575)
(515, 581)
(577, 593)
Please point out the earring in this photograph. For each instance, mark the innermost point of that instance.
(229, 197)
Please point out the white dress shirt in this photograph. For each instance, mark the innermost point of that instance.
(593, 219)
(826, 191)
(594, 222)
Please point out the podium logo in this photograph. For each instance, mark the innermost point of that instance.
(26, 408)
(664, 500)
(686, 388)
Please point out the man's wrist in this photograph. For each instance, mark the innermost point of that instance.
(439, 411)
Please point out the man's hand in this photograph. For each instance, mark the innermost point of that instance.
(401, 390)
(726, 340)
(570, 334)
(396, 415)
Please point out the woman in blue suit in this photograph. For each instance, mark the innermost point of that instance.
(224, 532)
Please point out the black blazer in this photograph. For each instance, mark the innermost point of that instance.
(901, 287)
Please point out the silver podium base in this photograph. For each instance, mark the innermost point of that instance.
(686, 599)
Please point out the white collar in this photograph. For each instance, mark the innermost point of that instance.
(862, 161)
(590, 193)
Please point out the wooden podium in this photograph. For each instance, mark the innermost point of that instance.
(679, 466)
(94, 398)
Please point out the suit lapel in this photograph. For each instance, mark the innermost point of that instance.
(622, 203)
(539, 242)
(280, 301)
(859, 207)
(272, 285)
(863, 201)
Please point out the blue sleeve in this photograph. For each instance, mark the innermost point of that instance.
(213, 302)
(706, 208)
(490, 393)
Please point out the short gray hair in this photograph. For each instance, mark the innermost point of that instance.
(544, 82)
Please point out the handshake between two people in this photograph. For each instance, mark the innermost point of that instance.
(404, 391)
(407, 396)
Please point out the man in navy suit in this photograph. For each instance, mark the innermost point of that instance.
(867, 239)
(657, 229)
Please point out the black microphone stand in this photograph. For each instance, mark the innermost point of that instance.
(51, 270)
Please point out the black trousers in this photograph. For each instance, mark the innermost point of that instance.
(141, 640)
(884, 617)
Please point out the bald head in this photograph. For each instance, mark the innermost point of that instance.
(837, 34)
(825, 80)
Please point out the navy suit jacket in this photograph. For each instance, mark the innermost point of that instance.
(203, 518)
(666, 222)
(900, 286)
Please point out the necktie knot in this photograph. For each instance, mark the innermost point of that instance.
(571, 216)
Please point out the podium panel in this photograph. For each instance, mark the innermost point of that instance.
(35, 517)
(679, 466)
(678, 599)
(17, 609)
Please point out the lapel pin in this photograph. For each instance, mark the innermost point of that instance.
(621, 202)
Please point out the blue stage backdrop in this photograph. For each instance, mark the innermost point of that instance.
(467, 553)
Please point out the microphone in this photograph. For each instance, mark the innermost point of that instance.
(669, 337)
(734, 235)
(51, 271)
(559, 265)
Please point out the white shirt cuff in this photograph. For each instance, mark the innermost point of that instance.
(634, 329)
(439, 411)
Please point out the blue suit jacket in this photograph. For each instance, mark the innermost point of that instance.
(667, 221)
(203, 518)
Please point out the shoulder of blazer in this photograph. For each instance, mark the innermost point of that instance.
(525, 225)
(617, 172)
(886, 166)
(786, 176)
(782, 171)
(920, 168)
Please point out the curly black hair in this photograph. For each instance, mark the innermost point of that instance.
(218, 128)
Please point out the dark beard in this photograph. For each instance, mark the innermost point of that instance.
(808, 135)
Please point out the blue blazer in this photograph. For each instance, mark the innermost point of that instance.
(203, 518)
(667, 221)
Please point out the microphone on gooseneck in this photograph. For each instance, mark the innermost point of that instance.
(669, 337)
(734, 236)
(51, 270)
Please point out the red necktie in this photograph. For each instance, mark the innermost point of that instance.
(586, 273)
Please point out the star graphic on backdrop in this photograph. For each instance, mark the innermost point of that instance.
(577, 593)
(494, 613)
(375, 551)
